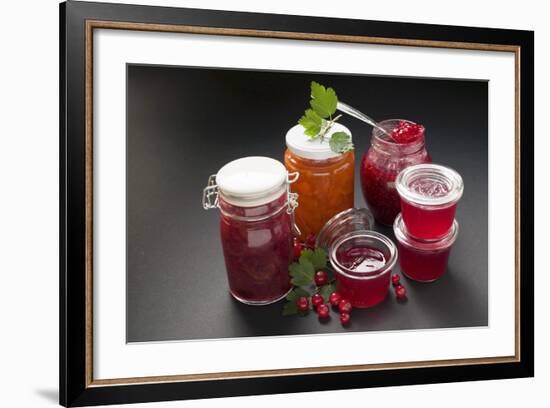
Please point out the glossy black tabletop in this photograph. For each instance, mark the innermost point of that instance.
(183, 124)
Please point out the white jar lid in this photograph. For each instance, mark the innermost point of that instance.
(314, 149)
(251, 181)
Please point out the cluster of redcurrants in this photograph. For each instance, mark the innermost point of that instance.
(309, 243)
(322, 309)
(317, 301)
(343, 306)
(399, 289)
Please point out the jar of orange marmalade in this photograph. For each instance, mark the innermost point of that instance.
(326, 181)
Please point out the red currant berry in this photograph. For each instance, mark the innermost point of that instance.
(297, 248)
(344, 306)
(400, 292)
(344, 318)
(395, 279)
(321, 278)
(334, 298)
(310, 241)
(302, 304)
(322, 311)
(317, 300)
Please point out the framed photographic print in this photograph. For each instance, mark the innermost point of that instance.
(255, 203)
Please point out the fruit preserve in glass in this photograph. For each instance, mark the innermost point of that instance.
(255, 227)
(423, 260)
(388, 154)
(429, 196)
(326, 182)
(362, 262)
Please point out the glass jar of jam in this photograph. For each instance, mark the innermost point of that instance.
(256, 226)
(429, 196)
(382, 163)
(362, 262)
(326, 182)
(423, 260)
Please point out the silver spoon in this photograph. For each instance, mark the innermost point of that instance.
(342, 107)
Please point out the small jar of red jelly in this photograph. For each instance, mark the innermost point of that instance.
(256, 226)
(381, 164)
(429, 196)
(423, 260)
(362, 262)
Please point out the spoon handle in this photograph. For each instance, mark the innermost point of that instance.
(359, 115)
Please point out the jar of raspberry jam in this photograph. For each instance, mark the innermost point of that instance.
(429, 196)
(362, 262)
(423, 260)
(401, 146)
(326, 183)
(256, 226)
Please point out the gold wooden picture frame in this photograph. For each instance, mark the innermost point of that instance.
(78, 384)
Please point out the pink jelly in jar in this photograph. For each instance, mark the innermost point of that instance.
(256, 227)
(429, 195)
(362, 262)
(423, 260)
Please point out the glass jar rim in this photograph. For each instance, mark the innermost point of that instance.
(385, 145)
(451, 178)
(404, 238)
(342, 270)
(379, 135)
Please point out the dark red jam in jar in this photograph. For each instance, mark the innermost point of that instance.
(429, 196)
(423, 260)
(402, 146)
(255, 227)
(362, 263)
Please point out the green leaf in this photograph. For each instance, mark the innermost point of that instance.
(324, 100)
(340, 142)
(302, 272)
(317, 257)
(290, 309)
(326, 290)
(295, 293)
(311, 122)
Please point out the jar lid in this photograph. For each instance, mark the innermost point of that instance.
(314, 149)
(352, 219)
(402, 235)
(251, 181)
(429, 185)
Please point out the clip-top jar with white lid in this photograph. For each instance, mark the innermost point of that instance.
(326, 182)
(256, 226)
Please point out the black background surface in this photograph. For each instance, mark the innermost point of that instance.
(185, 123)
